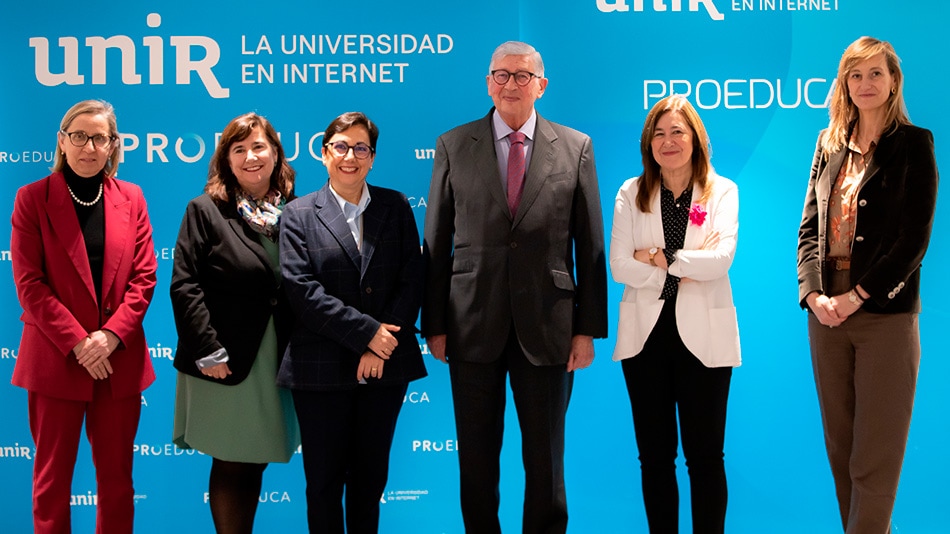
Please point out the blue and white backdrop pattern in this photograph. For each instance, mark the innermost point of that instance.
(760, 73)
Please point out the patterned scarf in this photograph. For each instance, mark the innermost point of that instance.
(262, 215)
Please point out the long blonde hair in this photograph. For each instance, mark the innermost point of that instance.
(842, 110)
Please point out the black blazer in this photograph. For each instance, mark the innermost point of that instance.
(223, 290)
(340, 295)
(896, 202)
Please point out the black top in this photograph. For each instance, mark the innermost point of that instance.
(92, 220)
(675, 213)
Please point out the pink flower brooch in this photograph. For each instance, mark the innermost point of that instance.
(697, 215)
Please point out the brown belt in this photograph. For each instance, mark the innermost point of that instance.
(838, 264)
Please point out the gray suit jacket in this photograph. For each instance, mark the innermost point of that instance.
(543, 271)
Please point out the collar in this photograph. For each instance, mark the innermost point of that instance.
(502, 130)
(359, 207)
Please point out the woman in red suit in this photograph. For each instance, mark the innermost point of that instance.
(84, 267)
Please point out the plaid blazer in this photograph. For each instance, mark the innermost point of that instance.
(340, 295)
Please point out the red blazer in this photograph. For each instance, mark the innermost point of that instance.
(55, 288)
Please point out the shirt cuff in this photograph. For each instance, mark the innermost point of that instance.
(216, 357)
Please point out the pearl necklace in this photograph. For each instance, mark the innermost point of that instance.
(81, 202)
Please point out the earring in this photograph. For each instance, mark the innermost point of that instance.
(893, 90)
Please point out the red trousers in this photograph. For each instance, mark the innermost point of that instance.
(56, 425)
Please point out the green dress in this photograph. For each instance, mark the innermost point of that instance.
(251, 422)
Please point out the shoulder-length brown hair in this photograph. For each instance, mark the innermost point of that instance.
(842, 110)
(222, 183)
(92, 107)
(702, 169)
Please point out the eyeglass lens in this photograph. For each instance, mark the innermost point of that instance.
(81, 138)
(501, 77)
(360, 151)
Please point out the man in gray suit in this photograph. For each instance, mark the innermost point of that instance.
(516, 285)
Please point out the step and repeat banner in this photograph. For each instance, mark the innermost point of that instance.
(760, 73)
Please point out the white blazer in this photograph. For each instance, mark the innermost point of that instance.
(705, 313)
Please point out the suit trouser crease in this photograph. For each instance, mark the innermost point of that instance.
(541, 395)
(56, 425)
(866, 377)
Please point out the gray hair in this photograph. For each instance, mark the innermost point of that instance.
(517, 48)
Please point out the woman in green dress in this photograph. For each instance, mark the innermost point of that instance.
(233, 320)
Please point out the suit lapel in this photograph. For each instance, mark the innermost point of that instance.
(118, 214)
(656, 223)
(248, 237)
(374, 220)
(540, 167)
(486, 162)
(694, 234)
(331, 216)
(883, 152)
(65, 223)
(831, 171)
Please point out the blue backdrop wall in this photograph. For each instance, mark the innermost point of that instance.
(760, 73)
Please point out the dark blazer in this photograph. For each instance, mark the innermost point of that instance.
(55, 287)
(224, 290)
(545, 270)
(896, 203)
(340, 295)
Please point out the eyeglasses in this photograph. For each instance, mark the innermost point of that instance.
(360, 150)
(80, 139)
(522, 78)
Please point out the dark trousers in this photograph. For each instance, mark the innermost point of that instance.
(56, 425)
(663, 379)
(346, 437)
(866, 374)
(541, 395)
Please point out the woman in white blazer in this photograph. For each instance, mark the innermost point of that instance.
(673, 240)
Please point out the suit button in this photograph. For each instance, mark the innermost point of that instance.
(514, 244)
(369, 290)
(108, 311)
(891, 295)
(900, 285)
(273, 301)
(862, 203)
(859, 239)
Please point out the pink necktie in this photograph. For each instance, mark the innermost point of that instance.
(515, 170)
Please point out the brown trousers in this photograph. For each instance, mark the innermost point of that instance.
(866, 375)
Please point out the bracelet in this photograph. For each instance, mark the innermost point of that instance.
(855, 298)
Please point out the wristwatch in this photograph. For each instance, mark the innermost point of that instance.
(653, 252)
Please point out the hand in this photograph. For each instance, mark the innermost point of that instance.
(437, 347)
(371, 366)
(824, 309)
(582, 353)
(384, 342)
(100, 371)
(218, 371)
(843, 306)
(95, 348)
